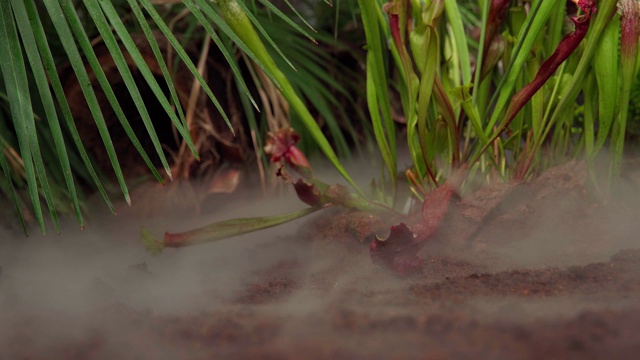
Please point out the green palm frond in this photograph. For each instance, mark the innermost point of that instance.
(38, 38)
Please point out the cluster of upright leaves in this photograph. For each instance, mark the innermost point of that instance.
(528, 74)
(520, 98)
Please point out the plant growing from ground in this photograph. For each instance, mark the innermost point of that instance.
(504, 111)
(502, 105)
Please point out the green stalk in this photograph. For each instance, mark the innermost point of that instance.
(597, 28)
(630, 30)
(457, 29)
(243, 28)
(607, 72)
(219, 231)
(483, 34)
(528, 36)
(377, 90)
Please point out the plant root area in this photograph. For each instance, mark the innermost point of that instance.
(530, 271)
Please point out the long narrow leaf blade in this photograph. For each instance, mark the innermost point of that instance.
(261, 30)
(535, 23)
(220, 230)
(15, 78)
(40, 77)
(183, 55)
(50, 67)
(216, 39)
(12, 189)
(66, 37)
(155, 48)
(103, 27)
(236, 37)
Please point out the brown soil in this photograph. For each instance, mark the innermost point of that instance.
(543, 273)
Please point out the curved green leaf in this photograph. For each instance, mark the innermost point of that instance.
(15, 78)
(116, 54)
(75, 59)
(35, 61)
(219, 231)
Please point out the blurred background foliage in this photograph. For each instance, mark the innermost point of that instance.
(118, 132)
(96, 95)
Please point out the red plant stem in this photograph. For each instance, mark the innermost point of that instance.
(394, 25)
(564, 49)
(417, 184)
(176, 240)
(393, 9)
(497, 16)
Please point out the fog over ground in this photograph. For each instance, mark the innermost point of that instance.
(62, 283)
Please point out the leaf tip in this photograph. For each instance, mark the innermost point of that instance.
(150, 242)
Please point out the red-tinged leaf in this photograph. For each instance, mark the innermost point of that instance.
(588, 7)
(224, 181)
(308, 193)
(398, 11)
(317, 193)
(497, 15)
(296, 158)
(398, 251)
(630, 28)
(434, 209)
(564, 49)
(493, 46)
(281, 147)
(219, 231)
(394, 23)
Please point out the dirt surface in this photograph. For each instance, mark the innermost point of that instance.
(546, 272)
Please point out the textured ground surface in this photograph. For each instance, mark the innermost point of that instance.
(546, 272)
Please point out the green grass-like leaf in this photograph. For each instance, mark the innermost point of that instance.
(66, 37)
(114, 49)
(377, 87)
(607, 71)
(8, 187)
(223, 49)
(457, 28)
(135, 54)
(50, 67)
(15, 78)
(528, 36)
(226, 229)
(155, 48)
(238, 39)
(35, 61)
(284, 17)
(192, 68)
(265, 35)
